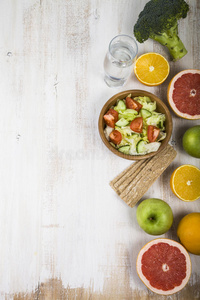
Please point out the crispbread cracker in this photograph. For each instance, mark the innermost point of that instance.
(129, 179)
(134, 182)
(123, 179)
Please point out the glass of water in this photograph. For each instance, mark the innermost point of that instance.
(118, 63)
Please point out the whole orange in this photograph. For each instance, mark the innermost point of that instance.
(188, 232)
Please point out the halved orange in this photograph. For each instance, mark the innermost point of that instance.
(151, 68)
(185, 182)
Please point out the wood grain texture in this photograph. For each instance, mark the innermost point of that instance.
(64, 233)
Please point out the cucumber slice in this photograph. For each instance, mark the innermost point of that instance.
(122, 122)
(141, 147)
(121, 106)
(124, 149)
(145, 113)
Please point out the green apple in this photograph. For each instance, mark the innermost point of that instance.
(154, 216)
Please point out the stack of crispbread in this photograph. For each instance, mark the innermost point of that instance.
(134, 181)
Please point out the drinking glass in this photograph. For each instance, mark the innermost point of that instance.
(118, 62)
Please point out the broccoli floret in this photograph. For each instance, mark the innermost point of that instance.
(159, 21)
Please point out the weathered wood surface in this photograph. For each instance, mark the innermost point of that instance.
(64, 233)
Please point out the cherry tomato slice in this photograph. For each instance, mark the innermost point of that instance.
(114, 113)
(152, 133)
(109, 120)
(111, 117)
(137, 125)
(132, 104)
(115, 137)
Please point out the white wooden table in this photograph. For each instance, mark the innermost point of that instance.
(64, 233)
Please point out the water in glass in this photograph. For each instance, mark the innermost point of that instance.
(118, 63)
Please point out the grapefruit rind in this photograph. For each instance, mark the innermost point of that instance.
(170, 93)
(146, 281)
(173, 187)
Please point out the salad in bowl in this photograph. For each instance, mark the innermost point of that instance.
(135, 124)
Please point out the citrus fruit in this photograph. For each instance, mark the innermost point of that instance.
(164, 266)
(185, 182)
(151, 69)
(184, 94)
(191, 141)
(188, 232)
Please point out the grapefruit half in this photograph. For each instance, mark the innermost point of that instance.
(184, 94)
(164, 266)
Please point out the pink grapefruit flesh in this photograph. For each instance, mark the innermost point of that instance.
(184, 94)
(164, 266)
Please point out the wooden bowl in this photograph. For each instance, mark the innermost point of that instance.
(161, 107)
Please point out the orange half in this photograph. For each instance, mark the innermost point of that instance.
(151, 69)
(185, 182)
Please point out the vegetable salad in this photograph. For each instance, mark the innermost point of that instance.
(134, 127)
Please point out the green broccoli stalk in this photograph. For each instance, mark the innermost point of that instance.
(159, 21)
